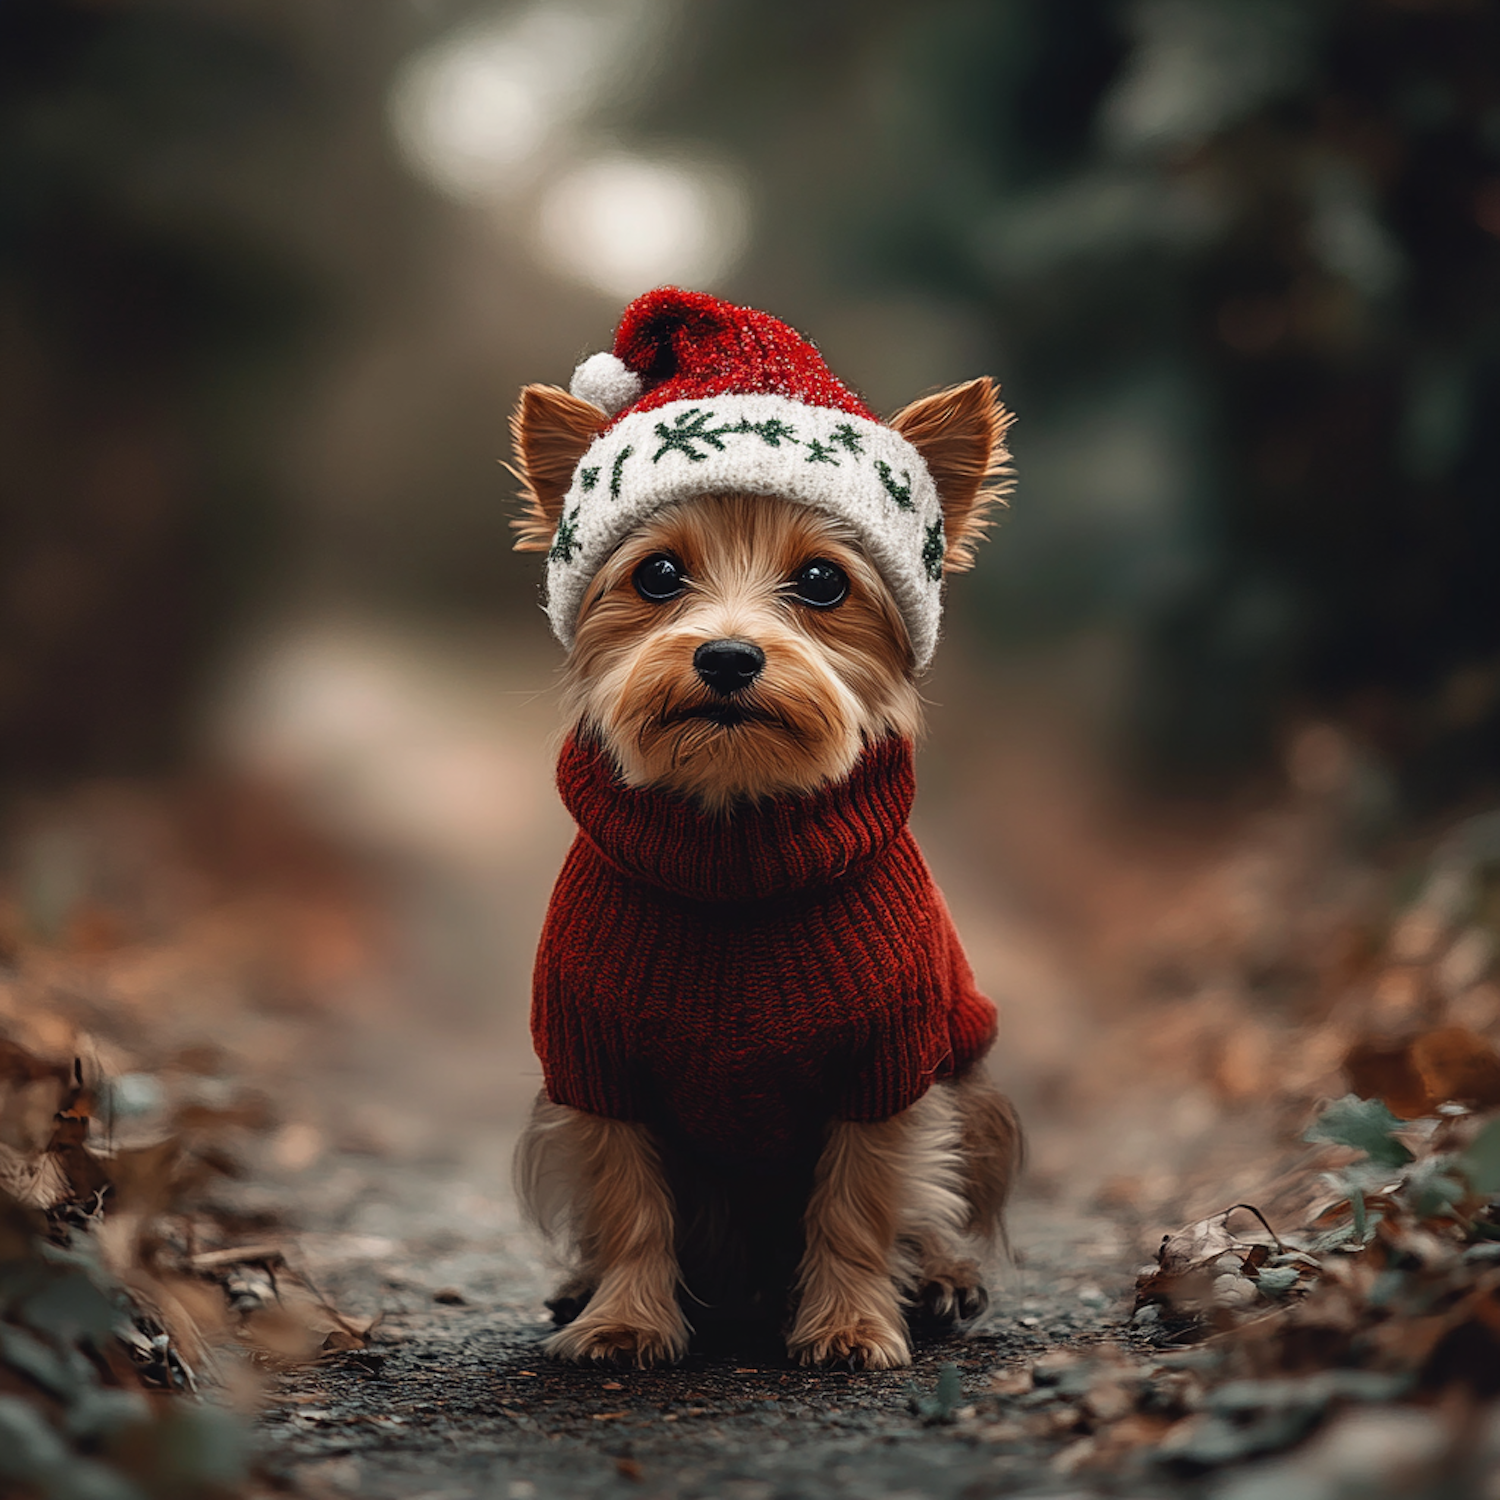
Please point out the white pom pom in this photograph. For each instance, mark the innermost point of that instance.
(606, 381)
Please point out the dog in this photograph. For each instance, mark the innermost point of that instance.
(765, 1102)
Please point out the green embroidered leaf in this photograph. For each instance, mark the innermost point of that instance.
(1366, 1125)
(688, 429)
(614, 473)
(565, 542)
(934, 550)
(900, 493)
(773, 431)
(846, 437)
(589, 478)
(820, 453)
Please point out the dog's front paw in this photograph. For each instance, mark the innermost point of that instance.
(864, 1343)
(955, 1296)
(604, 1339)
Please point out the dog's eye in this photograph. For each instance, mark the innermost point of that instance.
(660, 578)
(820, 583)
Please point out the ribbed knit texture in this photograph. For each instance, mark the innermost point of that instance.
(741, 980)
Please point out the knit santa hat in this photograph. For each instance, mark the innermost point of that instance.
(705, 397)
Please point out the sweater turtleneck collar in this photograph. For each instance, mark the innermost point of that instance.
(760, 850)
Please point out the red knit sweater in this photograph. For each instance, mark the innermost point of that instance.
(742, 979)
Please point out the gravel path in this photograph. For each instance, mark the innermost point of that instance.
(455, 1398)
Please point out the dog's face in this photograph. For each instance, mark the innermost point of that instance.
(740, 646)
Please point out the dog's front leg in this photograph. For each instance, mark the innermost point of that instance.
(620, 1216)
(848, 1308)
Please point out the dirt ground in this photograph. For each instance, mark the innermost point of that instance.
(455, 1398)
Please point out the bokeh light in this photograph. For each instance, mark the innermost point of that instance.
(624, 223)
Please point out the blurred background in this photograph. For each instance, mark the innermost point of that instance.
(271, 272)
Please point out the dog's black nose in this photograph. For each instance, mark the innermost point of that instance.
(728, 666)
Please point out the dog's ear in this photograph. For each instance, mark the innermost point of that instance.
(550, 431)
(960, 434)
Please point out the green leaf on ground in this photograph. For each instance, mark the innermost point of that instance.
(1432, 1190)
(944, 1400)
(1274, 1280)
(1363, 1124)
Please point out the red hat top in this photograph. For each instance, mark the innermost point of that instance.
(689, 346)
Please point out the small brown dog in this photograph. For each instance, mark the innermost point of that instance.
(761, 1041)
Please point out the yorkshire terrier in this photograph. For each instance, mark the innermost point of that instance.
(765, 1097)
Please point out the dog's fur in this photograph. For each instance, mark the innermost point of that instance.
(887, 1219)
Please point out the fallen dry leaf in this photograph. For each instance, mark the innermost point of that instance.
(1457, 1065)
(1204, 1266)
(1385, 1071)
(1012, 1382)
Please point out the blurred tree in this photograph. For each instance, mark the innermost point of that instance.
(1238, 263)
(138, 321)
